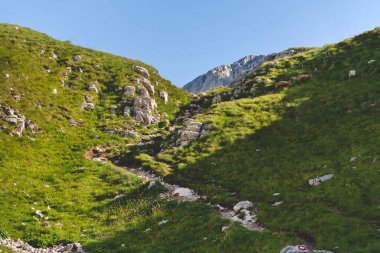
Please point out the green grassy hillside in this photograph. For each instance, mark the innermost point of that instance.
(47, 171)
(277, 140)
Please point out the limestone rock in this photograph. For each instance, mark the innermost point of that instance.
(77, 58)
(92, 87)
(141, 70)
(129, 91)
(88, 106)
(352, 73)
(148, 86)
(143, 91)
(217, 99)
(144, 109)
(318, 180)
(227, 75)
(243, 205)
(127, 111)
(164, 95)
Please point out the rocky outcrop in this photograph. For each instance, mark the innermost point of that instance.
(15, 123)
(141, 70)
(143, 91)
(225, 75)
(129, 91)
(23, 247)
(145, 110)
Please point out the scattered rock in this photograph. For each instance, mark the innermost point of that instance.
(276, 194)
(39, 213)
(295, 249)
(132, 134)
(352, 73)
(242, 205)
(87, 98)
(152, 184)
(7, 76)
(142, 71)
(371, 61)
(184, 192)
(163, 222)
(277, 203)
(118, 196)
(92, 87)
(77, 58)
(225, 228)
(23, 247)
(55, 91)
(353, 159)
(88, 106)
(217, 99)
(164, 95)
(318, 180)
(17, 121)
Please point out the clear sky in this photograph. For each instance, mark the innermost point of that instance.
(185, 38)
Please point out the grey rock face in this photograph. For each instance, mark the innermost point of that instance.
(224, 75)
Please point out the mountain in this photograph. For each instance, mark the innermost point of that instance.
(101, 150)
(226, 74)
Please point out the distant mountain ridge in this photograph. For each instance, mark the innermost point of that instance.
(227, 73)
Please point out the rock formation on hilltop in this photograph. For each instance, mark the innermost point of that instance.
(226, 74)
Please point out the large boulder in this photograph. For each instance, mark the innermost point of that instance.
(141, 70)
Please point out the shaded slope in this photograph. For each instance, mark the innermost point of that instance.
(278, 140)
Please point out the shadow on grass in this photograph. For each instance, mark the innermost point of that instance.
(335, 130)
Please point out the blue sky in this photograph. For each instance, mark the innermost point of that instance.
(185, 38)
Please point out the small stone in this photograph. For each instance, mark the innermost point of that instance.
(39, 213)
(163, 222)
(77, 58)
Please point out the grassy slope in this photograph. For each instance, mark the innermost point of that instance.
(47, 171)
(278, 140)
